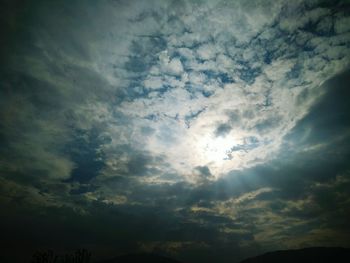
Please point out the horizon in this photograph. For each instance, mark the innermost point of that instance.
(84, 256)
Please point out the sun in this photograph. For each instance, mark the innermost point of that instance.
(215, 150)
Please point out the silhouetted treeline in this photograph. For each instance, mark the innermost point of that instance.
(48, 256)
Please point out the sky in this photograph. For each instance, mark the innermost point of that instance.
(204, 130)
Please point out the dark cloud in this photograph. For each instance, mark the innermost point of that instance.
(328, 119)
(137, 165)
(223, 129)
(203, 173)
(86, 155)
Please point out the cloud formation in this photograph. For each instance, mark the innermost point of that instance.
(187, 127)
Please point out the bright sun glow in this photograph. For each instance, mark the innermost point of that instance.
(215, 149)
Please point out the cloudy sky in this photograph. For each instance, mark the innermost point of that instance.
(205, 130)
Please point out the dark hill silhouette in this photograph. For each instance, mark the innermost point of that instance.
(140, 258)
(305, 255)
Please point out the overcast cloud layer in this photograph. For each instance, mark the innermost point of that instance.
(197, 129)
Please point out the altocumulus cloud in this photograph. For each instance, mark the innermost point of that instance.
(198, 129)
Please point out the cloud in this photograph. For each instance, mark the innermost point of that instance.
(184, 127)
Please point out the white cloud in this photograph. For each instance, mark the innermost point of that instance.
(181, 70)
(211, 44)
(206, 51)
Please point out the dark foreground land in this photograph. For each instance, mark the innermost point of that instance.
(305, 255)
(140, 258)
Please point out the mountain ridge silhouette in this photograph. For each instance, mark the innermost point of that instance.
(303, 255)
(140, 258)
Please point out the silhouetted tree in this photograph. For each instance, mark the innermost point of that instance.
(48, 256)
